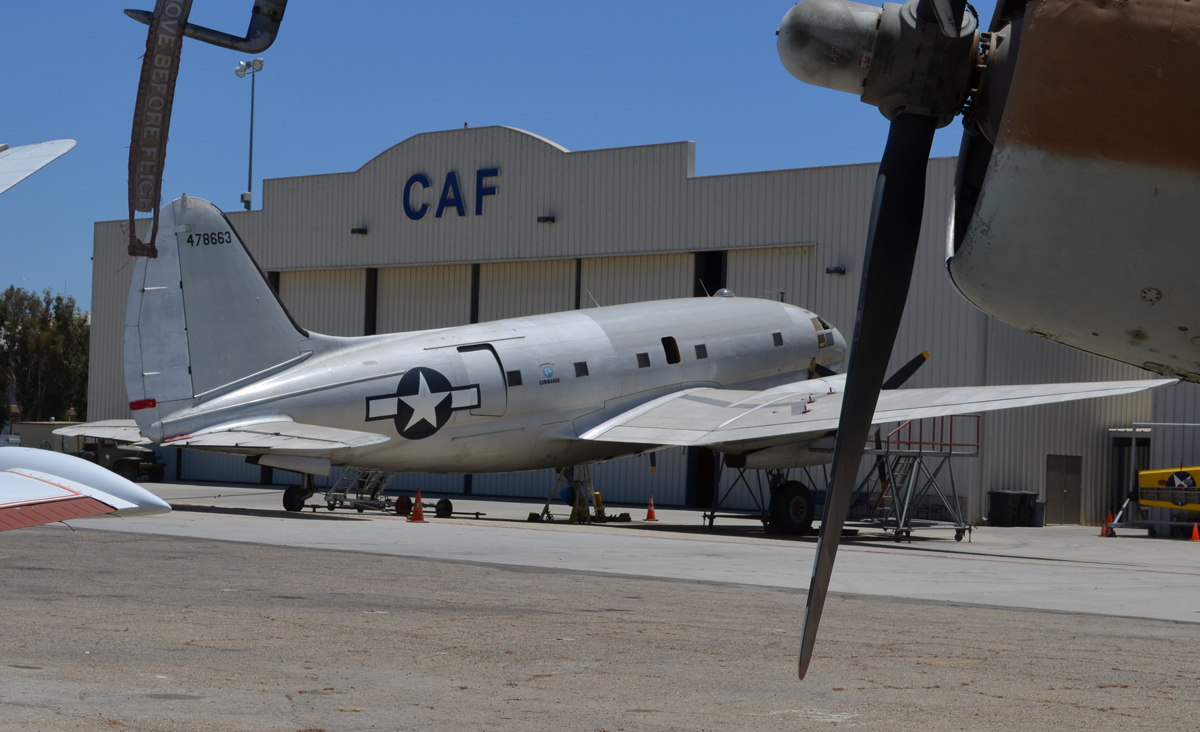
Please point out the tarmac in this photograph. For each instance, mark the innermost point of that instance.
(229, 614)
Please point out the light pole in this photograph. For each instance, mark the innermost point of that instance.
(252, 68)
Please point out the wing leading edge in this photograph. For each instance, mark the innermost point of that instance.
(705, 417)
(41, 487)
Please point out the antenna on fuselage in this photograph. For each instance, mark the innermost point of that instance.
(702, 287)
(591, 297)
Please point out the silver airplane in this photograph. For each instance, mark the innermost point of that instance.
(213, 361)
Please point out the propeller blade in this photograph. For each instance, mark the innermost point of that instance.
(905, 372)
(891, 250)
(949, 15)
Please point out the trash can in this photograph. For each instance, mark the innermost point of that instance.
(1039, 514)
(1025, 509)
(1003, 507)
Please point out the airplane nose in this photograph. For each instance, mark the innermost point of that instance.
(839, 345)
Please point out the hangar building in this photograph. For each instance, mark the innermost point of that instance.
(472, 225)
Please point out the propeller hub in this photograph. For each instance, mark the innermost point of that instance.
(893, 58)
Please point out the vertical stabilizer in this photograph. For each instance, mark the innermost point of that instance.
(201, 316)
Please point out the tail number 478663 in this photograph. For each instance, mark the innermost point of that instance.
(209, 238)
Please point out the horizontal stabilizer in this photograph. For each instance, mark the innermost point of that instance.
(725, 416)
(277, 435)
(121, 430)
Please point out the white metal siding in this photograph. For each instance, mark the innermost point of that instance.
(514, 289)
(421, 298)
(326, 301)
(775, 273)
(112, 271)
(618, 280)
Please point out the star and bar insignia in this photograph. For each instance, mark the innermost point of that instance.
(422, 403)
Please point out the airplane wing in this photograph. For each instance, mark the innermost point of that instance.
(280, 434)
(18, 163)
(31, 497)
(707, 417)
(122, 430)
(42, 487)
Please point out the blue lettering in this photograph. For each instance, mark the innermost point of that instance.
(481, 190)
(451, 196)
(408, 209)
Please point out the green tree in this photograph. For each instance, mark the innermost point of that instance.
(43, 355)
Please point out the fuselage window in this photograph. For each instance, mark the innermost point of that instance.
(514, 378)
(701, 351)
(643, 360)
(671, 348)
(581, 369)
(778, 338)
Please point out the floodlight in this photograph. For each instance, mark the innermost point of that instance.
(257, 64)
(241, 70)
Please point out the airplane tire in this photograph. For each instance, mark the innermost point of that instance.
(792, 509)
(293, 499)
(443, 508)
(404, 506)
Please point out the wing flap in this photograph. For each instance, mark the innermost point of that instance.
(278, 435)
(718, 416)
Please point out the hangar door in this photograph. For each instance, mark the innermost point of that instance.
(329, 301)
(1064, 477)
(517, 289)
(787, 274)
(618, 280)
(422, 298)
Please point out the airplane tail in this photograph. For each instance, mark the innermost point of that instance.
(201, 318)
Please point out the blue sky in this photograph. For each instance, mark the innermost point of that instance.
(338, 89)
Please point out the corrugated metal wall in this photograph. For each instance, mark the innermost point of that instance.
(1016, 443)
(635, 216)
(775, 273)
(112, 271)
(618, 280)
(421, 298)
(326, 301)
(513, 289)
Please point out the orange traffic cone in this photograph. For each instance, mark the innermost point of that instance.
(1104, 528)
(418, 512)
(1195, 532)
(650, 511)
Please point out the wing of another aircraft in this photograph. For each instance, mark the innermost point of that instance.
(280, 434)
(42, 487)
(31, 497)
(18, 163)
(709, 417)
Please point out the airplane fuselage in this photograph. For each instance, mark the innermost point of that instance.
(515, 394)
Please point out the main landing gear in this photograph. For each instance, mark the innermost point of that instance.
(295, 496)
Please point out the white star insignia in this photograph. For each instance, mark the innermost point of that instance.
(424, 405)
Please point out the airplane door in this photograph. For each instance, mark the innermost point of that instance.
(483, 368)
